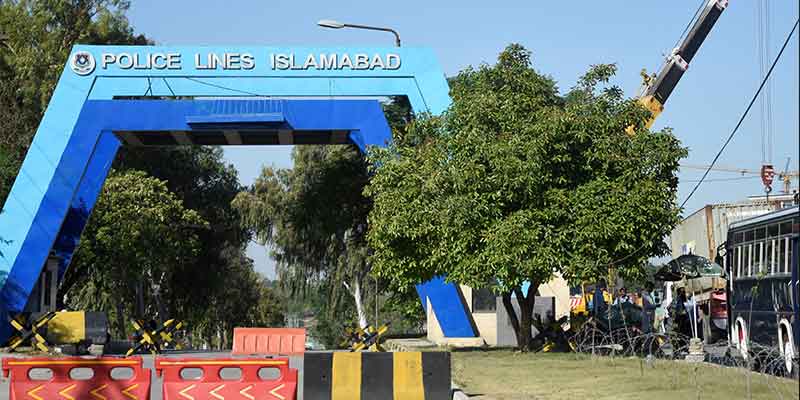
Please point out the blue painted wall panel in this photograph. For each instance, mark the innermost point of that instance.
(451, 312)
(85, 198)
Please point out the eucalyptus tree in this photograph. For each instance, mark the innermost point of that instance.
(314, 218)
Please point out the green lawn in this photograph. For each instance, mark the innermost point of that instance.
(506, 375)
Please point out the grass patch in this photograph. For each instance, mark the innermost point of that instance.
(507, 375)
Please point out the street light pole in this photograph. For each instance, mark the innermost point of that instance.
(327, 23)
(332, 24)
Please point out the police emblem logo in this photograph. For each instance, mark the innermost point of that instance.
(82, 63)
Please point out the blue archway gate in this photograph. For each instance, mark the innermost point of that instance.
(238, 95)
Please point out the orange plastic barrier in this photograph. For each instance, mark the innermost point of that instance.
(209, 383)
(271, 341)
(71, 378)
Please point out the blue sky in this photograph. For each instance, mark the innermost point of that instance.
(565, 38)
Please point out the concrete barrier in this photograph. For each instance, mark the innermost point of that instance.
(397, 376)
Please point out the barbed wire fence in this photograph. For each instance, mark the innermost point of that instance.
(765, 369)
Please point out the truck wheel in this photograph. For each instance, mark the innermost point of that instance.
(787, 347)
(96, 350)
(741, 335)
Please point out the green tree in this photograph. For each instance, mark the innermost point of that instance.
(37, 38)
(515, 183)
(205, 183)
(247, 300)
(138, 234)
(216, 289)
(314, 218)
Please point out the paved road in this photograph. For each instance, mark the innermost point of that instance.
(155, 388)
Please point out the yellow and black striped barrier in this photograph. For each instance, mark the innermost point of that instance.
(367, 376)
(153, 338)
(28, 327)
(367, 338)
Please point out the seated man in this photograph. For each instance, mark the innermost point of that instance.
(622, 297)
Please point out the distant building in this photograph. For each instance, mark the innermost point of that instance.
(703, 231)
(490, 320)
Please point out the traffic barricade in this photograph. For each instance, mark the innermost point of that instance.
(28, 327)
(71, 378)
(365, 376)
(269, 341)
(247, 378)
(152, 337)
(367, 338)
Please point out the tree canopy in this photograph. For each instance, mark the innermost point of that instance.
(314, 218)
(516, 182)
(37, 37)
(138, 233)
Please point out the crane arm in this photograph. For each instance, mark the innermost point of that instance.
(657, 90)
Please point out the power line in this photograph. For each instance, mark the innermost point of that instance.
(169, 87)
(686, 29)
(740, 178)
(744, 115)
(221, 87)
(730, 137)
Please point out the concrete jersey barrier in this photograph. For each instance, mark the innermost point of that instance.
(366, 376)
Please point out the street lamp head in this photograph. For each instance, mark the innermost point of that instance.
(329, 23)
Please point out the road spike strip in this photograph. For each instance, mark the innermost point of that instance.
(184, 394)
(277, 395)
(244, 393)
(215, 394)
(32, 392)
(65, 392)
(96, 392)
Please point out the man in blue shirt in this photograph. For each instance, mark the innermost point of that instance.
(648, 308)
(599, 305)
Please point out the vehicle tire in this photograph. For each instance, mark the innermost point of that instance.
(741, 338)
(96, 350)
(787, 348)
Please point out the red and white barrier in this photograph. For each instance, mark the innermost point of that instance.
(211, 385)
(269, 341)
(72, 378)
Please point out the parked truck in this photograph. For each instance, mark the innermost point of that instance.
(704, 233)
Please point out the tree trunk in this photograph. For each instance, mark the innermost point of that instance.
(355, 291)
(160, 306)
(121, 320)
(362, 314)
(521, 323)
(139, 313)
(224, 345)
(512, 314)
(524, 337)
